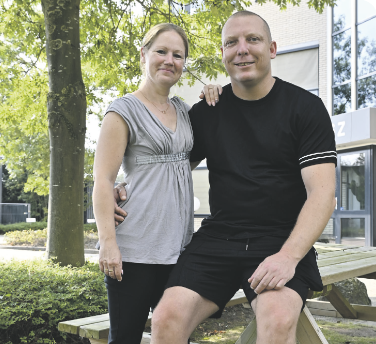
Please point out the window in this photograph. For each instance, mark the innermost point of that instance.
(301, 68)
(353, 181)
(353, 231)
(354, 80)
(341, 39)
(366, 40)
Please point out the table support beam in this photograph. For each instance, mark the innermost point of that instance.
(249, 335)
(308, 332)
(339, 302)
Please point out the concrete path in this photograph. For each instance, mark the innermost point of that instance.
(27, 253)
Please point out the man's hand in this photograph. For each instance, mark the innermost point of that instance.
(273, 273)
(119, 195)
(211, 94)
(110, 260)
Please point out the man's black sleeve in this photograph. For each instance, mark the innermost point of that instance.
(198, 128)
(316, 136)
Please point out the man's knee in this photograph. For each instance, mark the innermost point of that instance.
(165, 314)
(276, 312)
(281, 320)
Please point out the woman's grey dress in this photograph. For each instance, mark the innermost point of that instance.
(159, 184)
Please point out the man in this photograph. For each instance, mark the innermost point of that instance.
(271, 158)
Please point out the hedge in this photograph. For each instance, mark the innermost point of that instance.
(22, 226)
(36, 295)
(35, 226)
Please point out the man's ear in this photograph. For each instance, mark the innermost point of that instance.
(222, 53)
(273, 49)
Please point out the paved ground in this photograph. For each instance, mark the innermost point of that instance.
(25, 253)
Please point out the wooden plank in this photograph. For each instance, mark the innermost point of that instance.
(146, 339)
(322, 251)
(334, 246)
(100, 330)
(308, 332)
(345, 258)
(323, 305)
(73, 326)
(249, 335)
(95, 331)
(367, 313)
(325, 313)
(238, 298)
(98, 341)
(333, 254)
(340, 272)
(335, 297)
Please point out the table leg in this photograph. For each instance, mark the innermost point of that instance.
(249, 335)
(308, 332)
(339, 302)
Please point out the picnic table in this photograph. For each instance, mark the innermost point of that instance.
(336, 263)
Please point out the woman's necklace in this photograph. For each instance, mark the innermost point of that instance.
(163, 111)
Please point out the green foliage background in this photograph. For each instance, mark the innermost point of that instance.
(36, 295)
(111, 34)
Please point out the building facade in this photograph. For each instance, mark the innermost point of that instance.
(333, 55)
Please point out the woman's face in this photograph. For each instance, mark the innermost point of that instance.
(164, 60)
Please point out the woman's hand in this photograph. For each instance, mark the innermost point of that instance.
(110, 260)
(211, 93)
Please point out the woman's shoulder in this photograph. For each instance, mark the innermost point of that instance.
(126, 105)
(127, 100)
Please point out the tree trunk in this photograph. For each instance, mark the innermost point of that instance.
(66, 103)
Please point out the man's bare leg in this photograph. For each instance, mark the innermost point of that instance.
(277, 313)
(178, 314)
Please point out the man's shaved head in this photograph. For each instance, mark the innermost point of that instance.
(246, 14)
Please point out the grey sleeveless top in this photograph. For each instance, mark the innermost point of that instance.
(159, 184)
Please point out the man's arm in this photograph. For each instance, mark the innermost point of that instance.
(276, 270)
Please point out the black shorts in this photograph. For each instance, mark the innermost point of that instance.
(216, 268)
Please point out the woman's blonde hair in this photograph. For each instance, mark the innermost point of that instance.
(156, 30)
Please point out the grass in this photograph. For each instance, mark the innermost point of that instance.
(335, 333)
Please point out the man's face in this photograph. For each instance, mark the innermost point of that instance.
(247, 50)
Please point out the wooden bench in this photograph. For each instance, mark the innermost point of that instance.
(336, 263)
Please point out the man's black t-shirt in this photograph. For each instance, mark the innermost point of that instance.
(255, 151)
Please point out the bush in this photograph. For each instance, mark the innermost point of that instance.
(28, 237)
(36, 295)
(39, 238)
(90, 227)
(21, 226)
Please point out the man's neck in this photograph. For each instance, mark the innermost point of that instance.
(250, 91)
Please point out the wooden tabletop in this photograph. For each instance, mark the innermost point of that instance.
(339, 262)
(336, 263)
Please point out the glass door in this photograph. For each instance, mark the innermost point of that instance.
(351, 218)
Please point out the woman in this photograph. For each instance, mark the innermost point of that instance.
(151, 136)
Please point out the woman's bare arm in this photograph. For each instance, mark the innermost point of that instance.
(110, 150)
